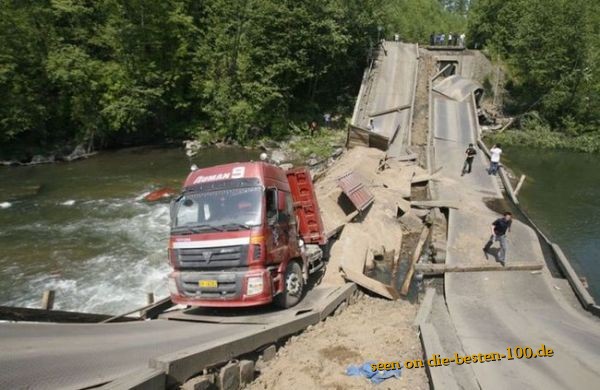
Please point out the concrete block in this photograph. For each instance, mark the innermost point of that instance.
(229, 376)
(246, 371)
(269, 353)
(202, 382)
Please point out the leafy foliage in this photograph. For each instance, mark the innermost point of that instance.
(552, 49)
(130, 71)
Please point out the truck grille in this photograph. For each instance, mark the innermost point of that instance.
(229, 285)
(212, 258)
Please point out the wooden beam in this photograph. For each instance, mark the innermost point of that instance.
(48, 300)
(371, 284)
(390, 110)
(519, 184)
(145, 309)
(416, 254)
(439, 269)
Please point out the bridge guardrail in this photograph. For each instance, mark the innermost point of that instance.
(564, 264)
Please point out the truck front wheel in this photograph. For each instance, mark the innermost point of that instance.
(294, 286)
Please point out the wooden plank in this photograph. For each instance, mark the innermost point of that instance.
(156, 308)
(430, 204)
(437, 269)
(143, 309)
(371, 284)
(8, 313)
(357, 136)
(416, 254)
(48, 300)
(519, 184)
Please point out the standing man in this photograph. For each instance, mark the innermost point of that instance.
(327, 119)
(470, 155)
(496, 151)
(499, 229)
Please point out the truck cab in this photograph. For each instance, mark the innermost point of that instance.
(244, 234)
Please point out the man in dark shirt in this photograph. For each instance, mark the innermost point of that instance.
(470, 153)
(499, 229)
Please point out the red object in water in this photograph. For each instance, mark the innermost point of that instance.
(160, 194)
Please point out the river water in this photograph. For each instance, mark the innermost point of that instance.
(562, 195)
(87, 234)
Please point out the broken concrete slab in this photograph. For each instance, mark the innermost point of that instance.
(229, 376)
(202, 382)
(269, 353)
(246, 371)
(403, 205)
(411, 222)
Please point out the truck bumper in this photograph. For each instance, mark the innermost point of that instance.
(221, 288)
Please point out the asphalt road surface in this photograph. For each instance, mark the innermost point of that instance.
(392, 88)
(492, 311)
(75, 356)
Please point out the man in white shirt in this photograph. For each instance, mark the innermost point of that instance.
(496, 151)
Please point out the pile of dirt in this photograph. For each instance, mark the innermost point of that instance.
(370, 330)
(375, 228)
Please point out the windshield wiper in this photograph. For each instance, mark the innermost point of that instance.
(237, 225)
(194, 229)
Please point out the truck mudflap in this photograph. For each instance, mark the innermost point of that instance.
(221, 288)
(306, 207)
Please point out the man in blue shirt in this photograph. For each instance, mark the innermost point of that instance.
(500, 227)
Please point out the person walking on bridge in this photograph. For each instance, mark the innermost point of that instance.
(470, 153)
(500, 228)
(496, 151)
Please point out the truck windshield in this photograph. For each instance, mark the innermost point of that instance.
(236, 208)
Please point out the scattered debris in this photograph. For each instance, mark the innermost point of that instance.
(162, 194)
(415, 258)
(352, 185)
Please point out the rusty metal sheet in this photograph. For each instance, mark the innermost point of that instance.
(356, 191)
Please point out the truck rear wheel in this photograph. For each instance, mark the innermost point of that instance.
(294, 286)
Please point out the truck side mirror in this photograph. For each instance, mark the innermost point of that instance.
(281, 201)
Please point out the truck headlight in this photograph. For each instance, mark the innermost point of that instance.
(255, 285)
(172, 284)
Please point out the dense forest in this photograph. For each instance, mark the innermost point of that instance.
(120, 72)
(551, 49)
(115, 72)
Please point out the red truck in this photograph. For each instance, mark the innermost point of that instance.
(244, 234)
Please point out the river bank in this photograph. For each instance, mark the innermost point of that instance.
(86, 233)
(547, 140)
(560, 194)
